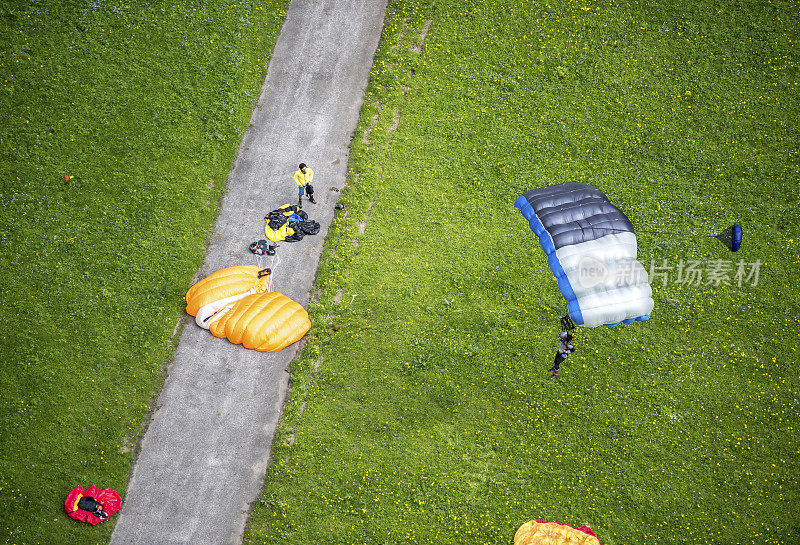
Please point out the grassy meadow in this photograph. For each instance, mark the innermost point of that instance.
(142, 105)
(421, 410)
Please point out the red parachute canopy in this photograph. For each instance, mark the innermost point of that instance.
(108, 497)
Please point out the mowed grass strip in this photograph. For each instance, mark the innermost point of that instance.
(142, 105)
(420, 410)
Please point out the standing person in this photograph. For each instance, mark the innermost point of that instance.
(565, 348)
(303, 178)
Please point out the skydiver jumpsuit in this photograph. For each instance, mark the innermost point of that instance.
(561, 355)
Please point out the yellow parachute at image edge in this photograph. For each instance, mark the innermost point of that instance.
(540, 532)
(234, 303)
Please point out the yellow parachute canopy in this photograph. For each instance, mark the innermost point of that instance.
(266, 322)
(277, 235)
(234, 303)
(537, 532)
(222, 284)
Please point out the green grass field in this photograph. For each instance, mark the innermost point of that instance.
(420, 409)
(143, 104)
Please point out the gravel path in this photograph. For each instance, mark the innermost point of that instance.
(205, 453)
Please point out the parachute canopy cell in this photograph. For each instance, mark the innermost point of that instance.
(266, 322)
(591, 249)
(539, 532)
(234, 303)
(222, 285)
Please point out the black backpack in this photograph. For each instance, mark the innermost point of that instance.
(88, 503)
(263, 247)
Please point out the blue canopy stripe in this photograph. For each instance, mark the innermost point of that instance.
(546, 242)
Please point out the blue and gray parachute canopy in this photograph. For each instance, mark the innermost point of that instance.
(591, 249)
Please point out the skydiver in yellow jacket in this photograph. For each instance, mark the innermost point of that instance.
(303, 178)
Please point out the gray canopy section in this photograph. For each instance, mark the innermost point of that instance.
(575, 212)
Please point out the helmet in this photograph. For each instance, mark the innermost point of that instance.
(563, 335)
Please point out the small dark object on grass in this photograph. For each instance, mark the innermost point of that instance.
(731, 237)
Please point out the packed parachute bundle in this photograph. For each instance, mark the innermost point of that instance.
(731, 237)
(591, 249)
(92, 505)
(289, 223)
(539, 532)
(235, 303)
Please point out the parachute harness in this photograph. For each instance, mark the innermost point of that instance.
(267, 271)
(567, 324)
